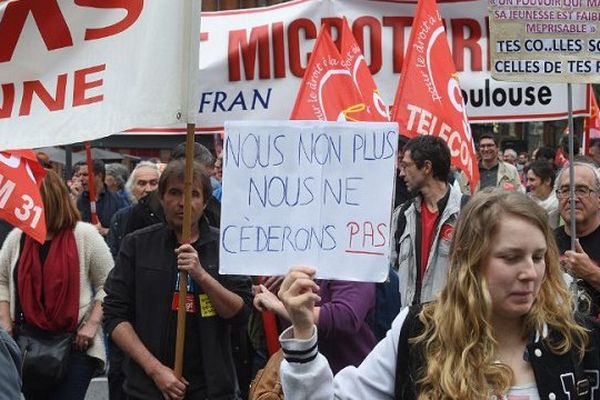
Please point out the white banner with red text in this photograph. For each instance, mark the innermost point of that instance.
(252, 61)
(78, 70)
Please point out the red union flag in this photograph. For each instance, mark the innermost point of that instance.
(20, 201)
(428, 99)
(591, 123)
(353, 59)
(327, 91)
(594, 119)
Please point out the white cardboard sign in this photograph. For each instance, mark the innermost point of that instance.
(308, 193)
(545, 41)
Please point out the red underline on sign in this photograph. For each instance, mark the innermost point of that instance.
(368, 253)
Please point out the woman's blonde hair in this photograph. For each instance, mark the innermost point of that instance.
(59, 209)
(458, 342)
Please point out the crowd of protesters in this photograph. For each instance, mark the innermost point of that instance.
(484, 275)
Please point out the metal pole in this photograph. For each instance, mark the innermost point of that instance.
(571, 167)
(574, 285)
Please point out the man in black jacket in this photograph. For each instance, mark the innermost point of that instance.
(140, 307)
(582, 263)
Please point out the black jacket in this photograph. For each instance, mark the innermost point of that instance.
(140, 290)
(146, 212)
(116, 231)
(107, 205)
(558, 377)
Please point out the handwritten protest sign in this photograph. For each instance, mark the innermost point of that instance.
(308, 193)
(545, 40)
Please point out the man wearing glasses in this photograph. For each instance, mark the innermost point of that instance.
(492, 171)
(582, 263)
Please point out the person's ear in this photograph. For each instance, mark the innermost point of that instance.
(427, 167)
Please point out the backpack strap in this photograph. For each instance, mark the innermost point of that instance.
(405, 385)
(401, 224)
(464, 199)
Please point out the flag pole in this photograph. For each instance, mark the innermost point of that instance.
(185, 238)
(571, 166)
(190, 62)
(91, 185)
(574, 286)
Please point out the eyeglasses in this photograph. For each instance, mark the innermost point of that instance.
(580, 191)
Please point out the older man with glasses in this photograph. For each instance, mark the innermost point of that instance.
(582, 263)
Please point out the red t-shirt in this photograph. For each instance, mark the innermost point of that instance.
(428, 220)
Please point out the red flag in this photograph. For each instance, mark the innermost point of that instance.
(428, 99)
(592, 123)
(20, 202)
(353, 59)
(327, 92)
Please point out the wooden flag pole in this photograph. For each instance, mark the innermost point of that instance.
(190, 87)
(91, 185)
(185, 238)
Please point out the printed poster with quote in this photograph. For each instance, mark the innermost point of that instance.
(310, 193)
(545, 40)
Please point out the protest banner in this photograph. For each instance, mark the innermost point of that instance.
(429, 100)
(308, 193)
(545, 40)
(20, 201)
(256, 58)
(77, 70)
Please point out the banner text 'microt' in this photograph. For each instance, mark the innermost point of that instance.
(273, 51)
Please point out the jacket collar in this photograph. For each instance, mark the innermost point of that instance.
(441, 204)
(541, 335)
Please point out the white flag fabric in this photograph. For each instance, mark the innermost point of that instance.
(79, 70)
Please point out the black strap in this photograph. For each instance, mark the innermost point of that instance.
(464, 200)
(19, 316)
(400, 225)
(404, 386)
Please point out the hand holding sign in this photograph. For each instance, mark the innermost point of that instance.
(299, 294)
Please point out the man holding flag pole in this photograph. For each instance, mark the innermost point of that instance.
(143, 294)
(167, 306)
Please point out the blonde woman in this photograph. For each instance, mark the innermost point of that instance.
(501, 328)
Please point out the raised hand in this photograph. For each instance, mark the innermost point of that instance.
(298, 294)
